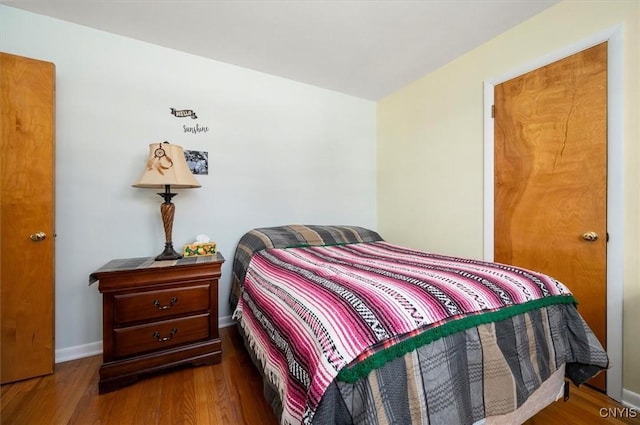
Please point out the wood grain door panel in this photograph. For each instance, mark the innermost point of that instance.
(551, 177)
(27, 207)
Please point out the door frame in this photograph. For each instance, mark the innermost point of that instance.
(615, 181)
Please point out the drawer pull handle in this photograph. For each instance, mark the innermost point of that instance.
(172, 301)
(158, 338)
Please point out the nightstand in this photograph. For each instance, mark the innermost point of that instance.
(157, 314)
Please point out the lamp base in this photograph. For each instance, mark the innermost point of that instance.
(169, 253)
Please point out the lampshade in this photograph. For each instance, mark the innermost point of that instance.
(166, 165)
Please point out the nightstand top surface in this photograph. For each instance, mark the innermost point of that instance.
(139, 263)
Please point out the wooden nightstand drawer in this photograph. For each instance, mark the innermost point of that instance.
(160, 335)
(150, 305)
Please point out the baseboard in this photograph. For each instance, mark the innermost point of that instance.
(226, 321)
(630, 399)
(78, 352)
(95, 348)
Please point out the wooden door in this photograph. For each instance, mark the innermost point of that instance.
(551, 178)
(26, 208)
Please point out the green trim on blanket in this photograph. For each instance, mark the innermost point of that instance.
(351, 374)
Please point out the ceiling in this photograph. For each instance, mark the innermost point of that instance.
(364, 48)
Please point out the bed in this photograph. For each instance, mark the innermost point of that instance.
(347, 328)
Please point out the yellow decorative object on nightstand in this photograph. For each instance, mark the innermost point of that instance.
(198, 249)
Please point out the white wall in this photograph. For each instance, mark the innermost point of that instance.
(280, 152)
(430, 144)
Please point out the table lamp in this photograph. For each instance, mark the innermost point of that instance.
(167, 168)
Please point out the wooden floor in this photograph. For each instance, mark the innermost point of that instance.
(228, 393)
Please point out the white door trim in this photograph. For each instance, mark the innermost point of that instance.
(615, 181)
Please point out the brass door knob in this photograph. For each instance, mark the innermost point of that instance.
(590, 236)
(37, 237)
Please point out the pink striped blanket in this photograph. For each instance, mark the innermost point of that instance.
(315, 314)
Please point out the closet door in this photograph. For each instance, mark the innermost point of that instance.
(26, 217)
(551, 178)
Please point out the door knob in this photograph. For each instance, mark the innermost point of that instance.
(37, 237)
(590, 236)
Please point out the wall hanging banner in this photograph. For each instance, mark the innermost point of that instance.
(183, 113)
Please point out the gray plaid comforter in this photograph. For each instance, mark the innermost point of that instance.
(460, 379)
